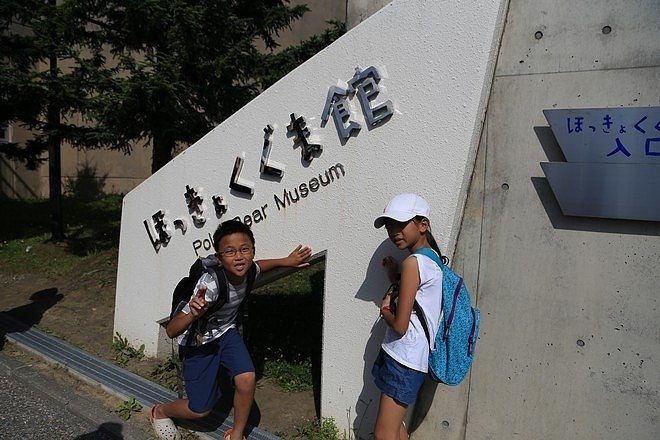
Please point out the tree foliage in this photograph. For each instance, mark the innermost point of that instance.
(159, 72)
(34, 42)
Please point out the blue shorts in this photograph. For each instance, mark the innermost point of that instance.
(201, 368)
(395, 380)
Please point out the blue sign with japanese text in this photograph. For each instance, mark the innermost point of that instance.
(610, 135)
(612, 167)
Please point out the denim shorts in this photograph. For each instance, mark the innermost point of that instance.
(202, 365)
(395, 380)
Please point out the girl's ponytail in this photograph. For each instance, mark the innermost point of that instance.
(434, 245)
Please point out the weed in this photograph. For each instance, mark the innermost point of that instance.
(103, 282)
(188, 435)
(127, 408)
(124, 351)
(166, 373)
(290, 376)
(324, 429)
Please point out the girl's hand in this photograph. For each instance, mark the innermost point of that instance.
(299, 256)
(392, 268)
(387, 300)
(198, 303)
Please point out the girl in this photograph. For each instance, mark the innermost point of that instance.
(402, 363)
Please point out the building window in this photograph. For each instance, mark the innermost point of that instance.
(5, 133)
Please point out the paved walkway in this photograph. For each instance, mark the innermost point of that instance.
(35, 407)
(111, 378)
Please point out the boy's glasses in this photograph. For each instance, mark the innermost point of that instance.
(231, 252)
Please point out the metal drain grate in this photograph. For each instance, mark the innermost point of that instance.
(111, 378)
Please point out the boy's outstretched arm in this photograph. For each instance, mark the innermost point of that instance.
(297, 258)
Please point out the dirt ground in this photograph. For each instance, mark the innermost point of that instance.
(81, 311)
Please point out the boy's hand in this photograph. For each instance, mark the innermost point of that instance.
(299, 256)
(392, 268)
(198, 303)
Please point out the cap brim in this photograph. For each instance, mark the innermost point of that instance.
(399, 217)
(379, 222)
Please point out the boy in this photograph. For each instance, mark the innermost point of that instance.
(221, 344)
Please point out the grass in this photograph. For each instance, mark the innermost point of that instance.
(324, 429)
(91, 228)
(288, 354)
(90, 225)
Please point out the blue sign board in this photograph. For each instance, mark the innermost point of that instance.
(612, 167)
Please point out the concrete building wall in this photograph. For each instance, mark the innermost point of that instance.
(570, 333)
(16, 181)
(359, 10)
(314, 21)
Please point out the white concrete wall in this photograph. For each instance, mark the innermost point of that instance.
(437, 66)
(570, 336)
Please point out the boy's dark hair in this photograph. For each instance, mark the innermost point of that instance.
(231, 227)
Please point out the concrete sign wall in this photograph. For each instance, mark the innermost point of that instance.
(570, 331)
(396, 105)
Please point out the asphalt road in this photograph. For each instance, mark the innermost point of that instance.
(35, 407)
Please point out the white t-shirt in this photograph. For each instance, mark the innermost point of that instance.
(412, 349)
(223, 319)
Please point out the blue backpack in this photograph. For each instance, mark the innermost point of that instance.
(458, 329)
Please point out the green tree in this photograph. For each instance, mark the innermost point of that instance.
(165, 72)
(116, 73)
(35, 92)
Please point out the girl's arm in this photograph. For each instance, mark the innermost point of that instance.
(297, 258)
(407, 290)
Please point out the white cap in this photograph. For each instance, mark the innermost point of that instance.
(402, 208)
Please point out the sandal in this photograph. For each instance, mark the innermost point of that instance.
(227, 434)
(165, 429)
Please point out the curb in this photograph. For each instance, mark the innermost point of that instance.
(81, 407)
(111, 378)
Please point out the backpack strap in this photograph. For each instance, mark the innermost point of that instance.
(431, 254)
(221, 280)
(242, 315)
(416, 307)
(422, 320)
(251, 276)
(185, 286)
(450, 318)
